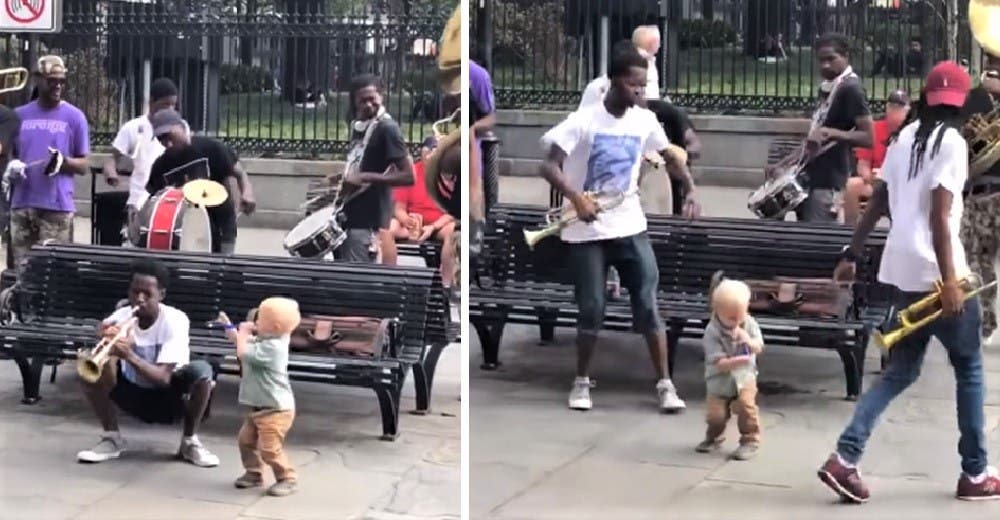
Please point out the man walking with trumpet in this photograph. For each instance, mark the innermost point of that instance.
(925, 169)
(600, 149)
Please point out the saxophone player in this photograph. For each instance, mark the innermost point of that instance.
(981, 222)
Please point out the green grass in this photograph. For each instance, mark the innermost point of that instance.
(724, 72)
(263, 116)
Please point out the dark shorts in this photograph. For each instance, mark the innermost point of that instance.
(635, 262)
(160, 405)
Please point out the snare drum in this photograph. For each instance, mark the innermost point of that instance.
(169, 222)
(777, 197)
(317, 235)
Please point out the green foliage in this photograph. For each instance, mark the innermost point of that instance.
(89, 87)
(706, 34)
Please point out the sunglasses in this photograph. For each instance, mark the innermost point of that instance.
(55, 81)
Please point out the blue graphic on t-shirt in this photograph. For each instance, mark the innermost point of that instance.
(612, 158)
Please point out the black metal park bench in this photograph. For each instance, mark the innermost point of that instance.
(533, 287)
(66, 289)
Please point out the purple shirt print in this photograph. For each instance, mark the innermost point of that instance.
(63, 128)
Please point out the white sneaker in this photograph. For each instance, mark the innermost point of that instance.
(579, 396)
(110, 447)
(195, 453)
(669, 401)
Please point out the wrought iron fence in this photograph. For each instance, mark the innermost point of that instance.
(717, 55)
(266, 76)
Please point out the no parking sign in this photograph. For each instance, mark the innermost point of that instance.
(41, 16)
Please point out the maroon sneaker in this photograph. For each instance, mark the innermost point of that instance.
(988, 489)
(843, 480)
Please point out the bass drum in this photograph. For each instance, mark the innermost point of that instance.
(169, 222)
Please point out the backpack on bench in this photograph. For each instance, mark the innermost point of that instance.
(354, 336)
(793, 296)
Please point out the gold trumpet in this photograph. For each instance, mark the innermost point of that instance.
(13, 79)
(921, 313)
(90, 363)
(558, 218)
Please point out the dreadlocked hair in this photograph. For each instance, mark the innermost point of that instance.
(930, 118)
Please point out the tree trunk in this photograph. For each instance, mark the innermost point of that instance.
(951, 17)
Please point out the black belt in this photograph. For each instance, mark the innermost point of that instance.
(983, 189)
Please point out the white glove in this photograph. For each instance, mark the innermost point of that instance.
(15, 169)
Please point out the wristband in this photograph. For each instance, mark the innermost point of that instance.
(229, 327)
(847, 255)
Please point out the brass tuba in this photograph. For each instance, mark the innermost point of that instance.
(982, 132)
(984, 21)
(13, 79)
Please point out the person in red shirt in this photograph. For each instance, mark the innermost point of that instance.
(437, 224)
(859, 187)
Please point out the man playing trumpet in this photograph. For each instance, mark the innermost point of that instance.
(155, 380)
(925, 169)
(600, 149)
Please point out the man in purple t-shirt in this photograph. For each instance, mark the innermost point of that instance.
(42, 203)
(483, 118)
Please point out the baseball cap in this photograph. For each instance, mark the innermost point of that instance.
(51, 66)
(947, 84)
(165, 120)
(898, 97)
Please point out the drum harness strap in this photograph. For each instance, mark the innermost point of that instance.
(357, 153)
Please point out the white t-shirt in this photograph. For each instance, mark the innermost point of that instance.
(165, 341)
(909, 261)
(604, 154)
(135, 140)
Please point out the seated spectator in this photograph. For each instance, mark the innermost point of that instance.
(896, 64)
(415, 211)
(859, 187)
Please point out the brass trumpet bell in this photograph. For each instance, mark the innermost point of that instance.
(921, 313)
(13, 79)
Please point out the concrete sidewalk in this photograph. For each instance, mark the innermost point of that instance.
(533, 458)
(345, 471)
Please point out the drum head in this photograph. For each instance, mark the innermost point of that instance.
(195, 230)
(309, 227)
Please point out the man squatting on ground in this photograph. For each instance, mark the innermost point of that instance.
(600, 149)
(150, 374)
(925, 170)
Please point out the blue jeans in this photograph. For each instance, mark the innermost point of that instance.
(961, 338)
(636, 264)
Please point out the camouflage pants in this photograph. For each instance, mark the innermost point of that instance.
(981, 237)
(29, 226)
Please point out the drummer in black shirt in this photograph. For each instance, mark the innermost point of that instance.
(680, 131)
(384, 163)
(187, 158)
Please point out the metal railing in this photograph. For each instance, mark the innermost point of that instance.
(720, 56)
(262, 79)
